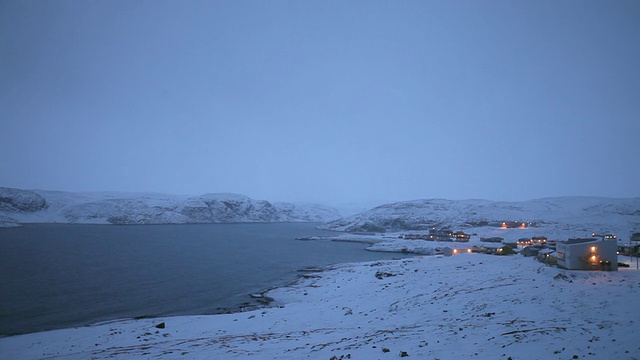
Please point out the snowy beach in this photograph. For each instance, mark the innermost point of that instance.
(469, 305)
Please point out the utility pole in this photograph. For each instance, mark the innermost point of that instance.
(635, 248)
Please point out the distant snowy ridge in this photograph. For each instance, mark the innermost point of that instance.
(15, 200)
(307, 212)
(572, 212)
(22, 206)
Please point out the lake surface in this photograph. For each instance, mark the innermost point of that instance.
(65, 275)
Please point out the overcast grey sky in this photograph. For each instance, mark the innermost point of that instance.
(327, 101)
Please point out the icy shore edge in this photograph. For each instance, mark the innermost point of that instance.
(424, 307)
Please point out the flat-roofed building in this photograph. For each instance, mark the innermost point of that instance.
(588, 254)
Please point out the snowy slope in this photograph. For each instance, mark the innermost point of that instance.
(306, 212)
(7, 222)
(149, 208)
(459, 307)
(576, 213)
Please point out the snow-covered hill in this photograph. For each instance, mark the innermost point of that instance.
(564, 213)
(306, 212)
(22, 206)
(576, 213)
(15, 200)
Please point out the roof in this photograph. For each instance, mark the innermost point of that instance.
(579, 241)
(492, 245)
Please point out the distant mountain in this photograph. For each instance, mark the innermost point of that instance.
(306, 212)
(568, 212)
(23, 206)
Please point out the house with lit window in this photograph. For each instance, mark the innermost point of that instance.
(535, 240)
(513, 225)
(587, 254)
(440, 235)
(460, 236)
(538, 240)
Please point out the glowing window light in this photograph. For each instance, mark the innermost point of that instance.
(594, 249)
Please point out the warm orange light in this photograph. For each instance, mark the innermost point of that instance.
(594, 258)
(468, 250)
(593, 249)
(455, 251)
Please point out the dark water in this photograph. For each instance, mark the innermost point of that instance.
(63, 275)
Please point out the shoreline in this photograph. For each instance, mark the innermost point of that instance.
(425, 306)
(255, 301)
(247, 302)
(385, 242)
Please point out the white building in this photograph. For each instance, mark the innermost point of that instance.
(588, 254)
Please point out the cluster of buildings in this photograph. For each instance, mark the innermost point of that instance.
(440, 235)
(598, 252)
(513, 224)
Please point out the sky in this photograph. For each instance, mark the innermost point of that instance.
(322, 101)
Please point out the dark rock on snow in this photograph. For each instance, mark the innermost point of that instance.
(20, 200)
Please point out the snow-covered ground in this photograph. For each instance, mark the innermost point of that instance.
(432, 307)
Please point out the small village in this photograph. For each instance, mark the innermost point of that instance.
(598, 252)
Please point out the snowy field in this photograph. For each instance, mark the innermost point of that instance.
(431, 307)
